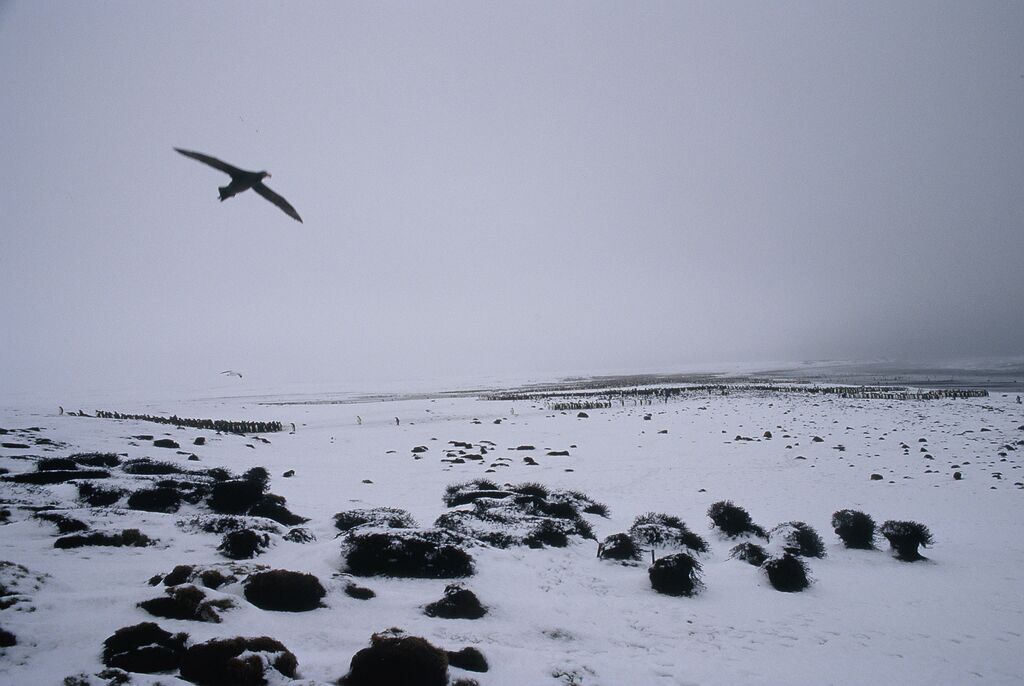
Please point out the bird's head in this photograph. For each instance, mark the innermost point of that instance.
(264, 175)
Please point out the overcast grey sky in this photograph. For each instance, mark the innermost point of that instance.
(511, 187)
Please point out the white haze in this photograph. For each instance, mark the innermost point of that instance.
(504, 188)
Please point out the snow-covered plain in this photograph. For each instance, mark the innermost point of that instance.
(560, 615)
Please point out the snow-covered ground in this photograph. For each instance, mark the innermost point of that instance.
(561, 615)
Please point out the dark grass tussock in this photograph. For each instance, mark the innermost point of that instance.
(856, 529)
(284, 591)
(620, 547)
(799, 538)
(359, 592)
(243, 544)
(527, 514)
(51, 477)
(96, 459)
(751, 553)
(127, 538)
(147, 467)
(733, 520)
(787, 573)
(905, 537)
(99, 496)
(272, 506)
(186, 602)
(390, 517)
(469, 659)
(159, 499)
(235, 496)
(237, 661)
(51, 464)
(677, 574)
(458, 603)
(398, 660)
(64, 524)
(662, 530)
(405, 554)
(144, 648)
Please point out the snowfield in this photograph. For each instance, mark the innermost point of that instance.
(555, 615)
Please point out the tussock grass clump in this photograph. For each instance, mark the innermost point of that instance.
(65, 524)
(905, 537)
(220, 524)
(98, 496)
(394, 659)
(179, 575)
(186, 603)
(243, 544)
(237, 661)
(677, 574)
(128, 538)
(300, 535)
(661, 530)
(390, 517)
(400, 553)
(259, 475)
(147, 467)
(159, 499)
(470, 491)
(547, 534)
(284, 591)
(856, 529)
(248, 496)
(359, 592)
(787, 573)
(469, 659)
(144, 648)
(235, 496)
(733, 520)
(531, 488)
(272, 506)
(799, 538)
(505, 518)
(97, 459)
(50, 464)
(458, 603)
(55, 476)
(751, 553)
(619, 547)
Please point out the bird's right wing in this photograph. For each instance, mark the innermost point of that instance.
(273, 197)
(212, 161)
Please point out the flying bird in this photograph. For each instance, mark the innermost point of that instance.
(242, 180)
(232, 372)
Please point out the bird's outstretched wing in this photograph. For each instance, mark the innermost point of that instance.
(277, 200)
(212, 161)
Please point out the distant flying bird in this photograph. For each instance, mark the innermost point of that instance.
(232, 372)
(242, 180)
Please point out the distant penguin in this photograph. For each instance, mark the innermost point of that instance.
(359, 420)
(396, 421)
(62, 407)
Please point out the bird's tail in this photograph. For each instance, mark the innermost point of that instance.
(225, 192)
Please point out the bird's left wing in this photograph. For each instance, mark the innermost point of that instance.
(212, 161)
(273, 197)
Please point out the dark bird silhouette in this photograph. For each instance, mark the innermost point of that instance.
(242, 180)
(232, 372)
